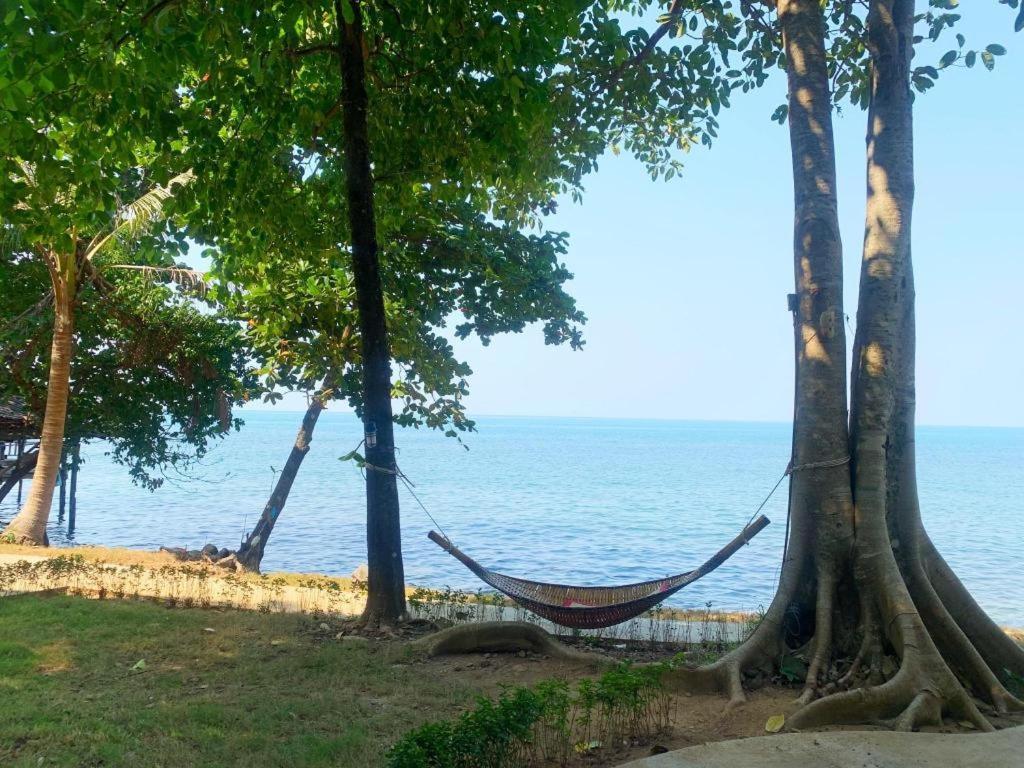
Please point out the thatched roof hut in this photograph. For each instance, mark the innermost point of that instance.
(15, 423)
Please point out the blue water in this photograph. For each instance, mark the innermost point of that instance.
(578, 500)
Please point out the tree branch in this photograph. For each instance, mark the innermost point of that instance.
(298, 52)
(143, 20)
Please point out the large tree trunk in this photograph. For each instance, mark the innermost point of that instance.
(934, 654)
(821, 507)
(897, 596)
(29, 525)
(250, 554)
(385, 602)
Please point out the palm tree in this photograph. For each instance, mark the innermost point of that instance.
(67, 270)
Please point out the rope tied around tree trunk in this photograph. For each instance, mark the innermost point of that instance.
(817, 465)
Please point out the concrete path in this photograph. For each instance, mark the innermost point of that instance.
(852, 749)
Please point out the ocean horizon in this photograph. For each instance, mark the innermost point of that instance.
(575, 499)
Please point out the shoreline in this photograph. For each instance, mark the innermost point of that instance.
(121, 572)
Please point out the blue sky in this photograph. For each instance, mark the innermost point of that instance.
(685, 282)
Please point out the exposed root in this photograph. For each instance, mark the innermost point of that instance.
(1000, 652)
(501, 637)
(925, 709)
(957, 648)
(910, 699)
(870, 653)
(726, 675)
(822, 642)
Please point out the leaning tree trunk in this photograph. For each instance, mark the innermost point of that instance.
(29, 525)
(250, 554)
(385, 603)
(821, 506)
(902, 611)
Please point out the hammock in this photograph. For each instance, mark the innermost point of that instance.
(595, 607)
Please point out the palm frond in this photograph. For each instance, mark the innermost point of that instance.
(135, 217)
(190, 279)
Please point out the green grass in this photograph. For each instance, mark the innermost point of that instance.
(257, 691)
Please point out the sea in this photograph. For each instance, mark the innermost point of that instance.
(569, 500)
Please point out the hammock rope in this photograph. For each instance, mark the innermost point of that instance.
(587, 607)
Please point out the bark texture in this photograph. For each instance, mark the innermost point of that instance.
(29, 525)
(385, 601)
(250, 554)
(888, 631)
(821, 504)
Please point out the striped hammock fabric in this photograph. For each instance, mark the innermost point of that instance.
(595, 607)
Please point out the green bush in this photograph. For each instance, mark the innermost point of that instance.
(548, 723)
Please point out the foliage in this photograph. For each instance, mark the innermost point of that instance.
(547, 723)
(155, 372)
(737, 48)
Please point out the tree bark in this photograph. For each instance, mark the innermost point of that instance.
(386, 583)
(820, 531)
(29, 525)
(896, 596)
(250, 554)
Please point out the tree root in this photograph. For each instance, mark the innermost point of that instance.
(918, 695)
(870, 652)
(999, 651)
(501, 637)
(821, 644)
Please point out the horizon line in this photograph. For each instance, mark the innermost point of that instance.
(640, 418)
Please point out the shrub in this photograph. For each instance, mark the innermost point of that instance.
(548, 723)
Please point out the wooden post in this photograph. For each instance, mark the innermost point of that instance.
(21, 450)
(72, 501)
(62, 479)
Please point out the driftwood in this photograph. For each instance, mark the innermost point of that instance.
(210, 554)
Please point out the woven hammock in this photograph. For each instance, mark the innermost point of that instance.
(595, 607)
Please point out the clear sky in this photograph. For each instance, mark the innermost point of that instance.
(685, 282)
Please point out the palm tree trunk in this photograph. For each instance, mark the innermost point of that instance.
(250, 554)
(29, 525)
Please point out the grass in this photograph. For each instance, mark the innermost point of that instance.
(257, 690)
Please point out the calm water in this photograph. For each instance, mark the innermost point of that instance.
(578, 500)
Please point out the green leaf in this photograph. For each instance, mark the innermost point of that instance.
(971, 58)
(948, 58)
(1018, 25)
(995, 49)
(774, 723)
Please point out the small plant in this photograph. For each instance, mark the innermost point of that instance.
(547, 724)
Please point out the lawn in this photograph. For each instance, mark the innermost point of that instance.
(110, 683)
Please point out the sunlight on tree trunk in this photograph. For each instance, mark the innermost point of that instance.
(29, 525)
(855, 590)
